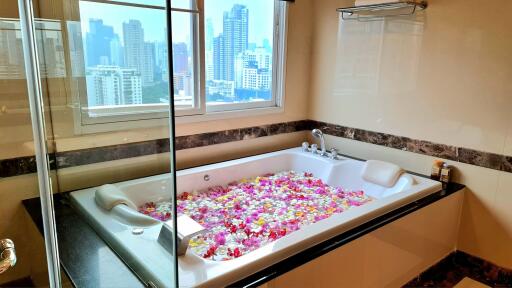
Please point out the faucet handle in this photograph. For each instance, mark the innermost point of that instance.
(314, 148)
(305, 146)
(334, 153)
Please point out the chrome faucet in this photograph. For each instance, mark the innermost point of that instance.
(317, 133)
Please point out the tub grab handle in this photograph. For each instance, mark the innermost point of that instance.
(187, 228)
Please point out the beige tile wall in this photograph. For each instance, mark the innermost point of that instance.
(442, 76)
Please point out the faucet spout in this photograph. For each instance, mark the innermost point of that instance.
(317, 133)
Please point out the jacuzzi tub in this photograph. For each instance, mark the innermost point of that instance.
(153, 263)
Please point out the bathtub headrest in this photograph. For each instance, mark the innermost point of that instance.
(382, 173)
(108, 196)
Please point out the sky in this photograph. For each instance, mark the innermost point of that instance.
(153, 21)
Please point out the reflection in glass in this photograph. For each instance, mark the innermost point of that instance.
(49, 42)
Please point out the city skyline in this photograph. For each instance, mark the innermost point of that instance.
(237, 69)
(154, 20)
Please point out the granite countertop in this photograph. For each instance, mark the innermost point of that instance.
(87, 260)
(90, 262)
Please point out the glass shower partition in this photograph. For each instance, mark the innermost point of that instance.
(99, 80)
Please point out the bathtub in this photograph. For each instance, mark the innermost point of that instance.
(152, 263)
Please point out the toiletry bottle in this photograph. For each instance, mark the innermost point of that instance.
(435, 174)
(446, 174)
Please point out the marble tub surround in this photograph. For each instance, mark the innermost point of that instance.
(226, 136)
(458, 265)
(67, 159)
(22, 165)
(424, 147)
(17, 166)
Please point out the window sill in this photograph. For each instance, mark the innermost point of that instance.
(212, 116)
(160, 122)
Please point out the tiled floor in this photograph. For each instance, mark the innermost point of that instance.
(24, 282)
(463, 270)
(470, 283)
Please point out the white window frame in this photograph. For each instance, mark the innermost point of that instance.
(104, 119)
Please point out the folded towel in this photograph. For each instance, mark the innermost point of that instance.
(108, 196)
(381, 173)
(374, 2)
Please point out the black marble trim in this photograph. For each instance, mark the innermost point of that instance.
(459, 154)
(458, 265)
(305, 256)
(17, 166)
(67, 159)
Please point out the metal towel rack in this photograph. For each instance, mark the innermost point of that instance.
(379, 11)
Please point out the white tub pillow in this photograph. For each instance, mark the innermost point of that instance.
(381, 173)
(108, 196)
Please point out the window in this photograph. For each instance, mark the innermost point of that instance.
(237, 64)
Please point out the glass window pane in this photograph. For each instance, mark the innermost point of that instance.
(183, 55)
(126, 57)
(239, 46)
(121, 43)
(181, 4)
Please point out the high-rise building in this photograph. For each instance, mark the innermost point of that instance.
(138, 54)
(236, 37)
(255, 70)
(98, 43)
(180, 57)
(209, 35)
(209, 68)
(254, 78)
(116, 52)
(49, 41)
(113, 85)
(219, 59)
(76, 48)
(233, 41)
(222, 88)
(161, 61)
(148, 64)
(263, 58)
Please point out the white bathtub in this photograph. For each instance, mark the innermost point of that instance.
(153, 263)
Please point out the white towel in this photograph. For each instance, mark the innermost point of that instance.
(374, 2)
(381, 173)
(108, 196)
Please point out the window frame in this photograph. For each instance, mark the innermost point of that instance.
(150, 115)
